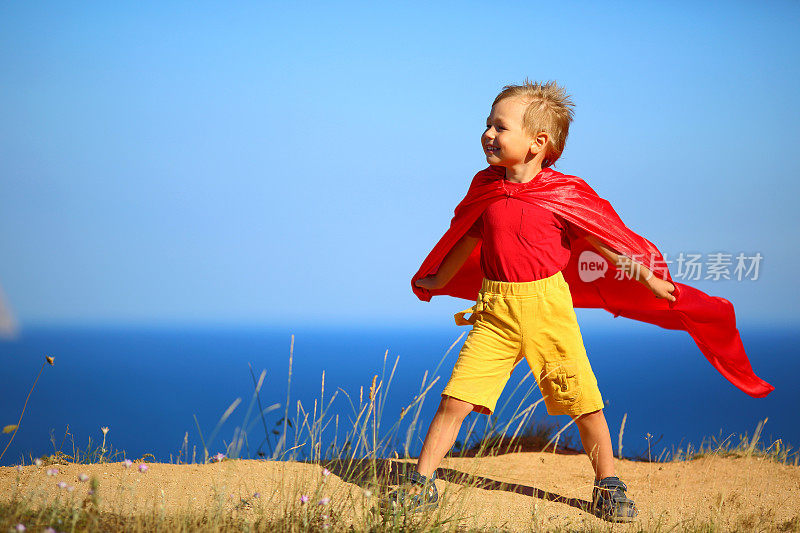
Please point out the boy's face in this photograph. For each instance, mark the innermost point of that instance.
(504, 141)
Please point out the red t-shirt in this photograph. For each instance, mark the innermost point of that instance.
(521, 241)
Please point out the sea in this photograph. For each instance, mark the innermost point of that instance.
(178, 393)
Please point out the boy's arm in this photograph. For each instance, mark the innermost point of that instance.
(451, 264)
(639, 272)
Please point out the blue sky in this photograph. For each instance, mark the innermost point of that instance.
(276, 163)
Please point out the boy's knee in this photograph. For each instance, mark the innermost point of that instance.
(455, 408)
(587, 416)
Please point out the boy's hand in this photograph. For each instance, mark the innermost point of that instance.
(430, 283)
(661, 288)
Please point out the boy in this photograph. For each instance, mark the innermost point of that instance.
(515, 237)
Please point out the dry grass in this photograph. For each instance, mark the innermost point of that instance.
(363, 467)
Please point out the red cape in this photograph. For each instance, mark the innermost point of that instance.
(710, 320)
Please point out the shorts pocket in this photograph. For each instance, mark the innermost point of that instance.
(559, 381)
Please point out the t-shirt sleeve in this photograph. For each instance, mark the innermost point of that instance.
(477, 229)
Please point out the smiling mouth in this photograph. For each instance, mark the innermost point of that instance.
(491, 149)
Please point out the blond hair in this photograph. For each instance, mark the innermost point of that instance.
(549, 110)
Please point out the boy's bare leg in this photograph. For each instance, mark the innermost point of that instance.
(596, 440)
(442, 433)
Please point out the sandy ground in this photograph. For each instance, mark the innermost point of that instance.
(517, 492)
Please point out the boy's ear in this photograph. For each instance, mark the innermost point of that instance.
(539, 142)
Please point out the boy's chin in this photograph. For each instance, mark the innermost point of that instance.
(493, 158)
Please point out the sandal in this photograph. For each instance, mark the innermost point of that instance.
(427, 499)
(609, 501)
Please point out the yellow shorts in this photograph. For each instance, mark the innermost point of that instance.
(534, 320)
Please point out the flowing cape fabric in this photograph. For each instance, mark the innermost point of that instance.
(710, 320)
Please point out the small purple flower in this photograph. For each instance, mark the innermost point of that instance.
(219, 457)
(324, 501)
(83, 477)
(20, 527)
(143, 467)
(257, 495)
(304, 499)
(326, 472)
(90, 492)
(52, 471)
(70, 488)
(49, 530)
(127, 463)
(19, 468)
(61, 484)
(37, 462)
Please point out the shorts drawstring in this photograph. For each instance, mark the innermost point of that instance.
(475, 310)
